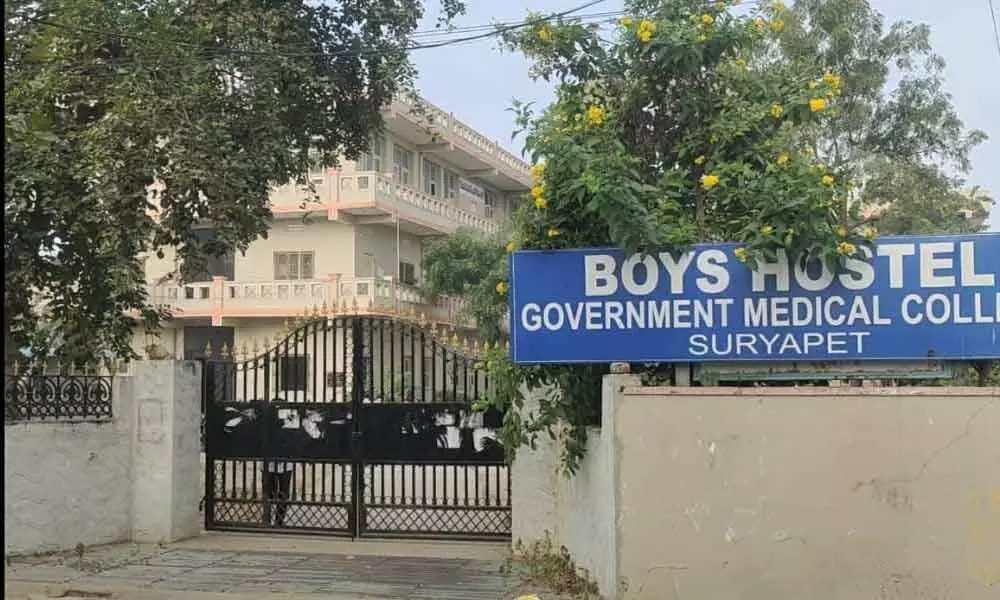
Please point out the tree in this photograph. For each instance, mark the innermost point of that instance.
(920, 199)
(458, 266)
(213, 102)
(688, 126)
(901, 138)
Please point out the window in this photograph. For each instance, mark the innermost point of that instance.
(432, 178)
(293, 266)
(372, 160)
(450, 185)
(402, 163)
(489, 204)
(292, 373)
(407, 273)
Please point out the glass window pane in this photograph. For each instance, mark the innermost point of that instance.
(377, 151)
(307, 265)
(280, 265)
(432, 176)
(402, 162)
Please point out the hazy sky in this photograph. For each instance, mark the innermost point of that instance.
(478, 83)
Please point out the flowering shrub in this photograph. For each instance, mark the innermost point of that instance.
(686, 126)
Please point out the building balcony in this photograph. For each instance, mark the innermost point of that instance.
(221, 299)
(437, 131)
(369, 196)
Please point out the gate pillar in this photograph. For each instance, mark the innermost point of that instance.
(166, 462)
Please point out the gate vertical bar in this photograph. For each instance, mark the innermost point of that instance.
(357, 402)
(268, 420)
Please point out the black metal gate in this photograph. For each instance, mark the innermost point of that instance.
(354, 425)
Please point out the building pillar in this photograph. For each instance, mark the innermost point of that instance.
(166, 450)
(218, 299)
(333, 289)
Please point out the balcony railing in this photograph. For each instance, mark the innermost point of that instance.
(221, 298)
(449, 124)
(377, 189)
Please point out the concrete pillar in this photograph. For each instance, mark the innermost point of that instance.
(606, 571)
(166, 453)
(534, 482)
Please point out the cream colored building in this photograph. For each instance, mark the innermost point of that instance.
(360, 243)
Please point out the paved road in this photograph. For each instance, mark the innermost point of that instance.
(250, 573)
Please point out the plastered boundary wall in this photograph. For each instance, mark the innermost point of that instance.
(765, 494)
(135, 477)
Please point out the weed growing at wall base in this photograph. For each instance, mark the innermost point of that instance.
(540, 564)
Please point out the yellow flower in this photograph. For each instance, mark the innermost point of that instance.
(502, 287)
(537, 191)
(759, 23)
(645, 31)
(553, 232)
(713, 138)
(871, 233)
(709, 181)
(777, 111)
(846, 248)
(625, 21)
(783, 159)
(700, 160)
(511, 246)
(541, 203)
(827, 180)
(707, 19)
(700, 39)
(767, 230)
(545, 33)
(777, 25)
(741, 254)
(537, 171)
(842, 232)
(808, 151)
(595, 115)
(817, 104)
(832, 80)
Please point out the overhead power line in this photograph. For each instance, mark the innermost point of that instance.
(996, 26)
(209, 53)
(493, 30)
(448, 38)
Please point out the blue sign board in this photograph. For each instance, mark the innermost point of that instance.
(916, 297)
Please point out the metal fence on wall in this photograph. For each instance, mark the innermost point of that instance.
(65, 397)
